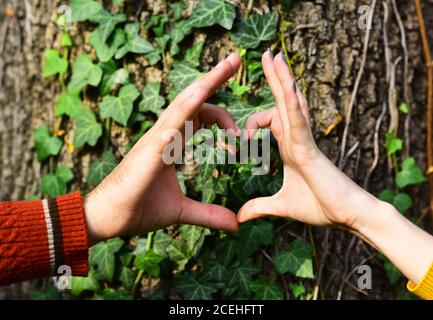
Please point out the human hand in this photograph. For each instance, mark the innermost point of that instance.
(142, 193)
(314, 190)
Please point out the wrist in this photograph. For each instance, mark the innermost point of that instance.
(91, 214)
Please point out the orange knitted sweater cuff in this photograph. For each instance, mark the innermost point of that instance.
(38, 237)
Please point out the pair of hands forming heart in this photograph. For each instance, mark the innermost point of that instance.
(142, 194)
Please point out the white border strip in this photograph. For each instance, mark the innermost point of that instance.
(50, 235)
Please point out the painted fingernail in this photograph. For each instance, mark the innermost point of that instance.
(283, 57)
(269, 51)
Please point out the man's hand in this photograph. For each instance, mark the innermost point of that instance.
(314, 190)
(143, 194)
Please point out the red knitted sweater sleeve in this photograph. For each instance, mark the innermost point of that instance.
(37, 237)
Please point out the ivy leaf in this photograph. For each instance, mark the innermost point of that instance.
(192, 289)
(252, 236)
(55, 185)
(214, 272)
(392, 143)
(182, 75)
(241, 110)
(298, 289)
(69, 104)
(177, 8)
(265, 290)
(255, 29)
(100, 169)
(54, 63)
(88, 129)
(66, 40)
(149, 262)
(81, 284)
(241, 275)
(392, 272)
(107, 23)
(134, 42)
(112, 76)
(152, 101)
(194, 237)
(83, 10)
(237, 89)
(102, 257)
(179, 253)
(161, 241)
(297, 260)
(120, 108)
(401, 201)
(127, 277)
(210, 12)
(45, 144)
(84, 72)
(410, 174)
(404, 108)
(192, 55)
(106, 50)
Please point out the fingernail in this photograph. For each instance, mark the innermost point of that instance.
(270, 53)
(231, 57)
(294, 86)
(283, 57)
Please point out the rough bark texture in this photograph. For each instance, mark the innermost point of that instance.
(329, 48)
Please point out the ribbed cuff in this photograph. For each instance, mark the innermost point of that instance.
(424, 289)
(37, 237)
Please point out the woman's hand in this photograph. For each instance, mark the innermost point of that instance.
(143, 194)
(314, 190)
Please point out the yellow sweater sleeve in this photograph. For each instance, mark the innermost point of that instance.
(424, 289)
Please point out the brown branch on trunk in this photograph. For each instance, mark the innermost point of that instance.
(429, 118)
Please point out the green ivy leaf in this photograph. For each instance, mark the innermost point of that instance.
(112, 77)
(66, 40)
(401, 201)
(237, 89)
(255, 29)
(84, 72)
(81, 284)
(45, 144)
(410, 174)
(192, 289)
(100, 169)
(161, 241)
(106, 50)
(83, 10)
(55, 185)
(102, 257)
(69, 104)
(265, 290)
(152, 101)
(252, 236)
(54, 63)
(182, 75)
(107, 23)
(298, 289)
(177, 8)
(392, 143)
(179, 253)
(120, 108)
(134, 42)
(210, 12)
(194, 237)
(192, 55)
(214, 272)
(404, 108)
(241, 275)
(392, 272)
(88, 129)
(149, 262)
(297, 260)
(241, 110)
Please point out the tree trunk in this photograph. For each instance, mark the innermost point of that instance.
(327, 47)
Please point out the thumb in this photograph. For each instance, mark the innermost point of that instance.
(255, 208)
